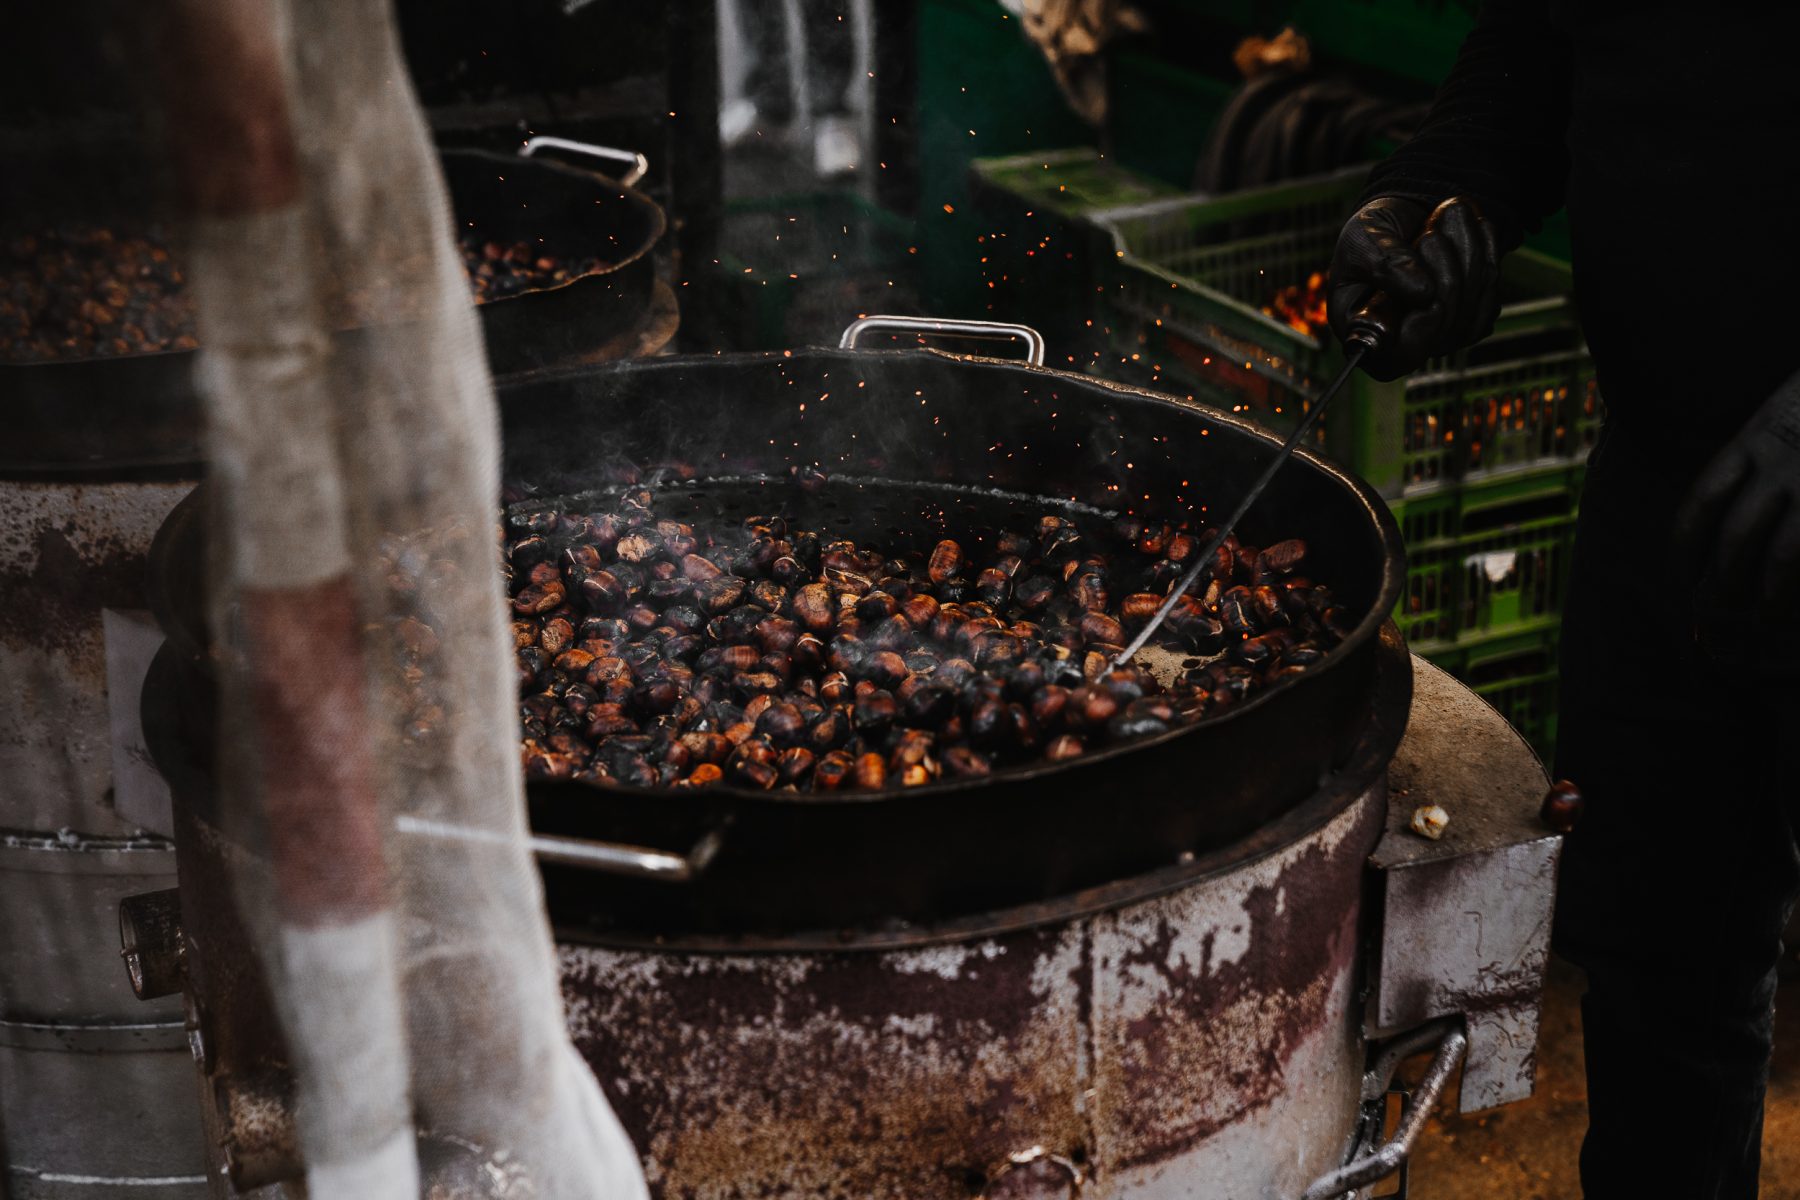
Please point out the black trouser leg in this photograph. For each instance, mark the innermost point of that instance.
(1675, 1098)
(767, 85)
(1677, 881)
(830, 54)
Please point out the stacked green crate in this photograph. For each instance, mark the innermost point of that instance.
(1480, 454)
(1487, 559)
(1191, 277)
(1073, 183)
(1040, 249)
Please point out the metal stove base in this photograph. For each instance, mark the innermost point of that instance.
(1202, 1031)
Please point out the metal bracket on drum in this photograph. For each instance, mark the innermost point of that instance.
(640, 165)
(1371, 1158)
(947, 327)
(614, 858)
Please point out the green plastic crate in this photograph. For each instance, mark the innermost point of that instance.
(1487, 558)
(1036, 253)
(1073, 183)
(1517, 675)
(1185, 289)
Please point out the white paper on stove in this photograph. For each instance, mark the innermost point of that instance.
(140, 794)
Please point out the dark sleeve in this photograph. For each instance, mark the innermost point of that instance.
(1498, 128)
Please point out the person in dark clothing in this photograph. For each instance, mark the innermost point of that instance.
(829, 56)
(1666, 129)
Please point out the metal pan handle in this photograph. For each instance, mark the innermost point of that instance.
(640, 166)
(1034, 341)
(614, 858)
(1372, 1162)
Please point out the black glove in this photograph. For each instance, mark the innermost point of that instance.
(1742, 517)
(1439, 274)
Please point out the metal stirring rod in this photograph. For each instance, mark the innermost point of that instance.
(1365, 334)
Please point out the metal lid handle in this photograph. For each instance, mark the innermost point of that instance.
(612, 858)
(640, 166)
(1034, 341)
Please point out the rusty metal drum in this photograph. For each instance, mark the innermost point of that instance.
(1159, 1048)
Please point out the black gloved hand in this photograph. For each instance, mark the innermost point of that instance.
(1439, 275)
(1742, 517)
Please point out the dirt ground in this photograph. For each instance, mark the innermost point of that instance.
(1528, 1151)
